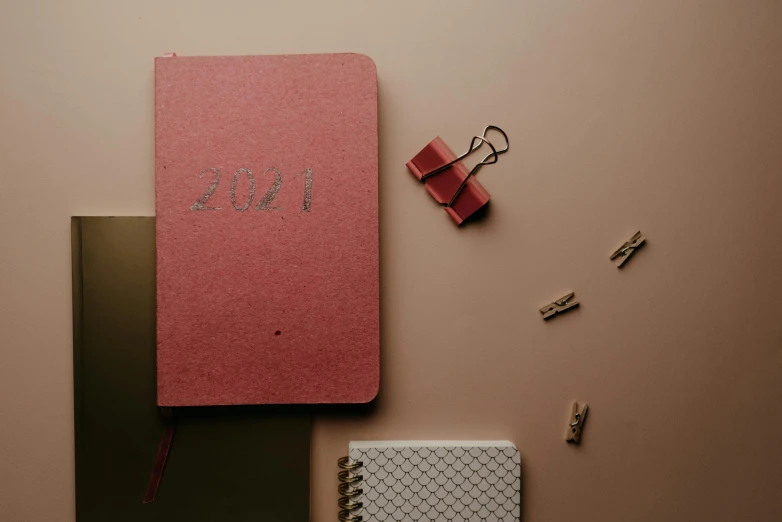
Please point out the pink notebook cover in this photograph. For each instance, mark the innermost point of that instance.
(266, 201)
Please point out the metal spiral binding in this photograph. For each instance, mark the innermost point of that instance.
(348, 480)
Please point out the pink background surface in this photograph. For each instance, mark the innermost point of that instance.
(622, 115)
(267, 306)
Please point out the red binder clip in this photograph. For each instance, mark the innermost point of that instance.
(448, 180)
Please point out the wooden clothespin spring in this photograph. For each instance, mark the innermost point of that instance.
(576, 423)
(624, 252)
(560, 305)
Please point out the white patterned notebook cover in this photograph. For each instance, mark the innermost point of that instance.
(441, 481)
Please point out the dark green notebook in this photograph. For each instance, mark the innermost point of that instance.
(225, 464)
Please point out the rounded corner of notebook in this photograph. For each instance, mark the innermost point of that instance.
(371, 395)
(366, 61)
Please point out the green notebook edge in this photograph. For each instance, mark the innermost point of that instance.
(252, 482)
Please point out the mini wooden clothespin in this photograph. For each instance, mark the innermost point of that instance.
(560, 305)
(576, 423)
(628, 249)
(448, 180)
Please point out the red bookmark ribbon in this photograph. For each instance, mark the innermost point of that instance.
(162, 455)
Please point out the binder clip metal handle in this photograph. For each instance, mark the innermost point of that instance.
(480, 140)
(475, 144)
(446, 178)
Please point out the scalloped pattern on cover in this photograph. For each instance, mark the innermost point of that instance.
(441, 484)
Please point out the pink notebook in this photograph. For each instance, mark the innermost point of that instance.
(267, 229)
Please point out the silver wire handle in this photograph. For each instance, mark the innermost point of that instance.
(475, 144)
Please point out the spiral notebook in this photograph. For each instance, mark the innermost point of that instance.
(443, 481)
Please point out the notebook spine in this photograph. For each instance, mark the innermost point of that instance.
(349, 479)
